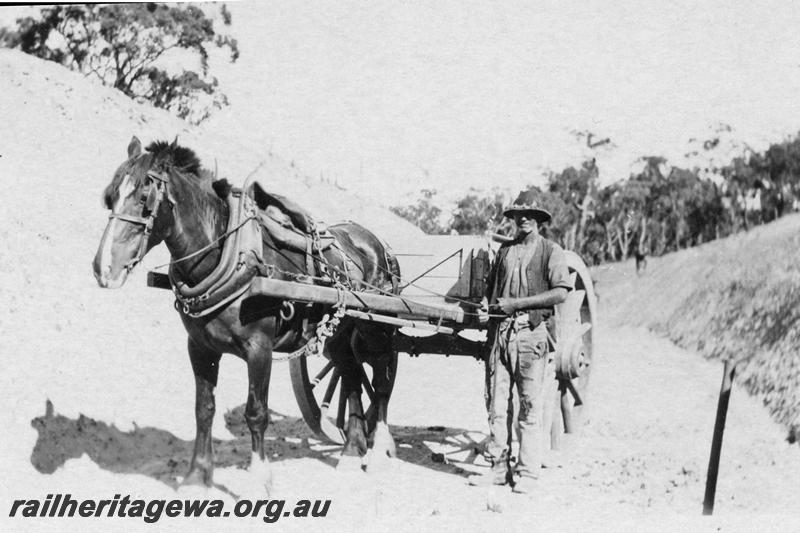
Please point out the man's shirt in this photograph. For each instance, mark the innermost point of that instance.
(516, 262)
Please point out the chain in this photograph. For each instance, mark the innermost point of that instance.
(326, 327)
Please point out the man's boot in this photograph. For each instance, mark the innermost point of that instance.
(497, 475)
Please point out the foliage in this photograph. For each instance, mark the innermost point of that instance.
(657, 210)
(9, 38)
(131, 47)
(424, 214)
(476, 214)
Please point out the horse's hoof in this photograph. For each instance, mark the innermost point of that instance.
(193, 491)
(383, 442)
(378, 461)
(261, 472)
(349, 463)
(197, 477)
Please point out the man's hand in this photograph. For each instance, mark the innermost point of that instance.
(506, 305)
(483, 312)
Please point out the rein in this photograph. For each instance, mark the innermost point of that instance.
(209, 245)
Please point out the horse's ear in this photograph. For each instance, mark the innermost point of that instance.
(135, 147)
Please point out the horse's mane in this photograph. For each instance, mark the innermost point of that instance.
(187, 161)
(178, 156)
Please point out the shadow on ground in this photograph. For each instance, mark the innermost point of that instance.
(163, 456)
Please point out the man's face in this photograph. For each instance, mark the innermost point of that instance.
(525, 223)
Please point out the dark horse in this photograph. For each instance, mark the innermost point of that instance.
(163, 194)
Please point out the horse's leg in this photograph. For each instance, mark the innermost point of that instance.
(383, 381)
(205, 364)
(355, 445)
(259, 367)
(375, 345)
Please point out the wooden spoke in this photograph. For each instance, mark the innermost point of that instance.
(341, 413)
(331, 389)
(316, 390)
(322, 373)
(576, 395)
(327, 427)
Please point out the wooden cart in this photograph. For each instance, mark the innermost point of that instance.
(431, 321)
(434, 314)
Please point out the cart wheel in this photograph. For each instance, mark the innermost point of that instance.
(316, 383)
(576, 320)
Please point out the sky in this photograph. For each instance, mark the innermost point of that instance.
(387, 98)
(398, 96)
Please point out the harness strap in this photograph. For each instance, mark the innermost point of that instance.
(310, 258)
(147, 222)
(129, 218)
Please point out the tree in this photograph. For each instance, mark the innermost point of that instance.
(424, 214)
(475, 214)
(132, 48)
(577, 189)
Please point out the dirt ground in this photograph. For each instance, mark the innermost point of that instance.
(639, 463)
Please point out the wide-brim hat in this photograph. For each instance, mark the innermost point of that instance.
(527, 203)
(538, 214)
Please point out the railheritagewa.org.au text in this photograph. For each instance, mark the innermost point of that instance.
(65, 506)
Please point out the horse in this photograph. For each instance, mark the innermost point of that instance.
(163, 194)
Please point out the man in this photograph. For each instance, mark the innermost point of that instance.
(529, 277)
(641, 261)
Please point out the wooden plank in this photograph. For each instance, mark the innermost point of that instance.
(364, 301)
(399, 322)
(439, 344)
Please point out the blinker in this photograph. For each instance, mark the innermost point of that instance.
(152, 198)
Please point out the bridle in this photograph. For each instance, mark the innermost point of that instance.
(151, 204)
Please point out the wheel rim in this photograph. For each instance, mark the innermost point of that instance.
(575, 368)
(315, 391)
(317, 388)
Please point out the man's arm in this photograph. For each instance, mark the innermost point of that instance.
(545, 299)
(559, 279)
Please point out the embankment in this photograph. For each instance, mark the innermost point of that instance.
(736, 298)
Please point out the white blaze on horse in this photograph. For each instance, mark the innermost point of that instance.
(218, 244)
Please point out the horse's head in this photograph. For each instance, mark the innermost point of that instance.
(140, 204)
